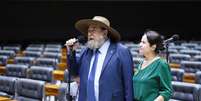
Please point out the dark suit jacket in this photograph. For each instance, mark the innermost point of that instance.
(115, 83)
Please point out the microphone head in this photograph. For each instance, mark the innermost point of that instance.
(175, 36)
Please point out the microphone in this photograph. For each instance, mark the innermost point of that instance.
(171, 39)
(80, 39)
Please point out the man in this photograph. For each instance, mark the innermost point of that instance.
(105, 66)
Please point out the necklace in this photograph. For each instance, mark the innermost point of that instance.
(147, 63)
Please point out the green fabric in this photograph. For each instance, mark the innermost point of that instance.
(152, 81)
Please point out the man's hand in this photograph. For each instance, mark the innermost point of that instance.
(72, 43)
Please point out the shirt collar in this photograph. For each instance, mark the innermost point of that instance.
(105, 46)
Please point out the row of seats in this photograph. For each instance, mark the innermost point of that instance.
(186, 91)
(26, 89)
(179, 75)
(31, 61)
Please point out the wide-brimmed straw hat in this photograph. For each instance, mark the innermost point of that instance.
(83, 25)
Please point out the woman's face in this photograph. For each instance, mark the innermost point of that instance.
(145, 47)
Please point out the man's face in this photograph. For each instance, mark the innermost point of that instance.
(96, 36)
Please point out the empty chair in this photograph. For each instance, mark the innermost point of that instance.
(198, 77)
(186, 91)
(34, 49)
(191, 66)
(177, 58)
(172, 51)
(46, 62)
(32, 54)
(177, 74)
(197, 58)
(190, 52)
(52, 55)
(198, 48)
(53, 46)
(16, 70)
(24, 60)
(177, 47)
(7, 86)
(9, 53)
(14, 48)
(190, 45)
(40, 73)
(30, 90)
(3, 60)
(36, 45)
(56, 50)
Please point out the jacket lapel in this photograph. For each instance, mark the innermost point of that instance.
(110, 53)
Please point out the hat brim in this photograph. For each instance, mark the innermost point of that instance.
(83, 25)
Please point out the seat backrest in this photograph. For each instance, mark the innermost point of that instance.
(7, 85)
(40, 49)
(9, 53)
(191, 66)
(177, 58)
(16, 70)
(177, 74)
(55, 50)
(14, 48)
(46, 62)
(197, 58)
(186, 91)
(29, 90)
(3, 60)
(198, 77)
(190, 52)
(24, 60)
(32, 53)
(40, 73)
(55, 55)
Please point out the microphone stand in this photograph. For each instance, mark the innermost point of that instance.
(166, 51)
(69, 97)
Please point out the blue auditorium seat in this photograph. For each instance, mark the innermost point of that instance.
(190, 45)
(191, 66)
(56, 50)
(9, 53)
(35, 54)
(197, 58)
(190, 52)
(30, 90)
(14, 48)
(186, 91)
(3, 60)
(50, 62)
(16, 70)
(7, 86)
(40, 73)
(177, 58)
(24, 60)
(177, 74)
(34, 49)
(52, 55)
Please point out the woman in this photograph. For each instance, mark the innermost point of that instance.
(152, 80)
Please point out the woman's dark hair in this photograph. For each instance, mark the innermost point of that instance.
(154, 38)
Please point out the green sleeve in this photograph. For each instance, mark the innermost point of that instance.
(165, 81)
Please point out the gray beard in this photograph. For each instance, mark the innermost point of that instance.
(95, 44)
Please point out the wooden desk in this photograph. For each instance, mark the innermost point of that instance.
(189, 77)
(2, 70)
(62, 66)
(10, 61)
(174, 65)
(58, 75)
(51, 90)
(4, 98)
